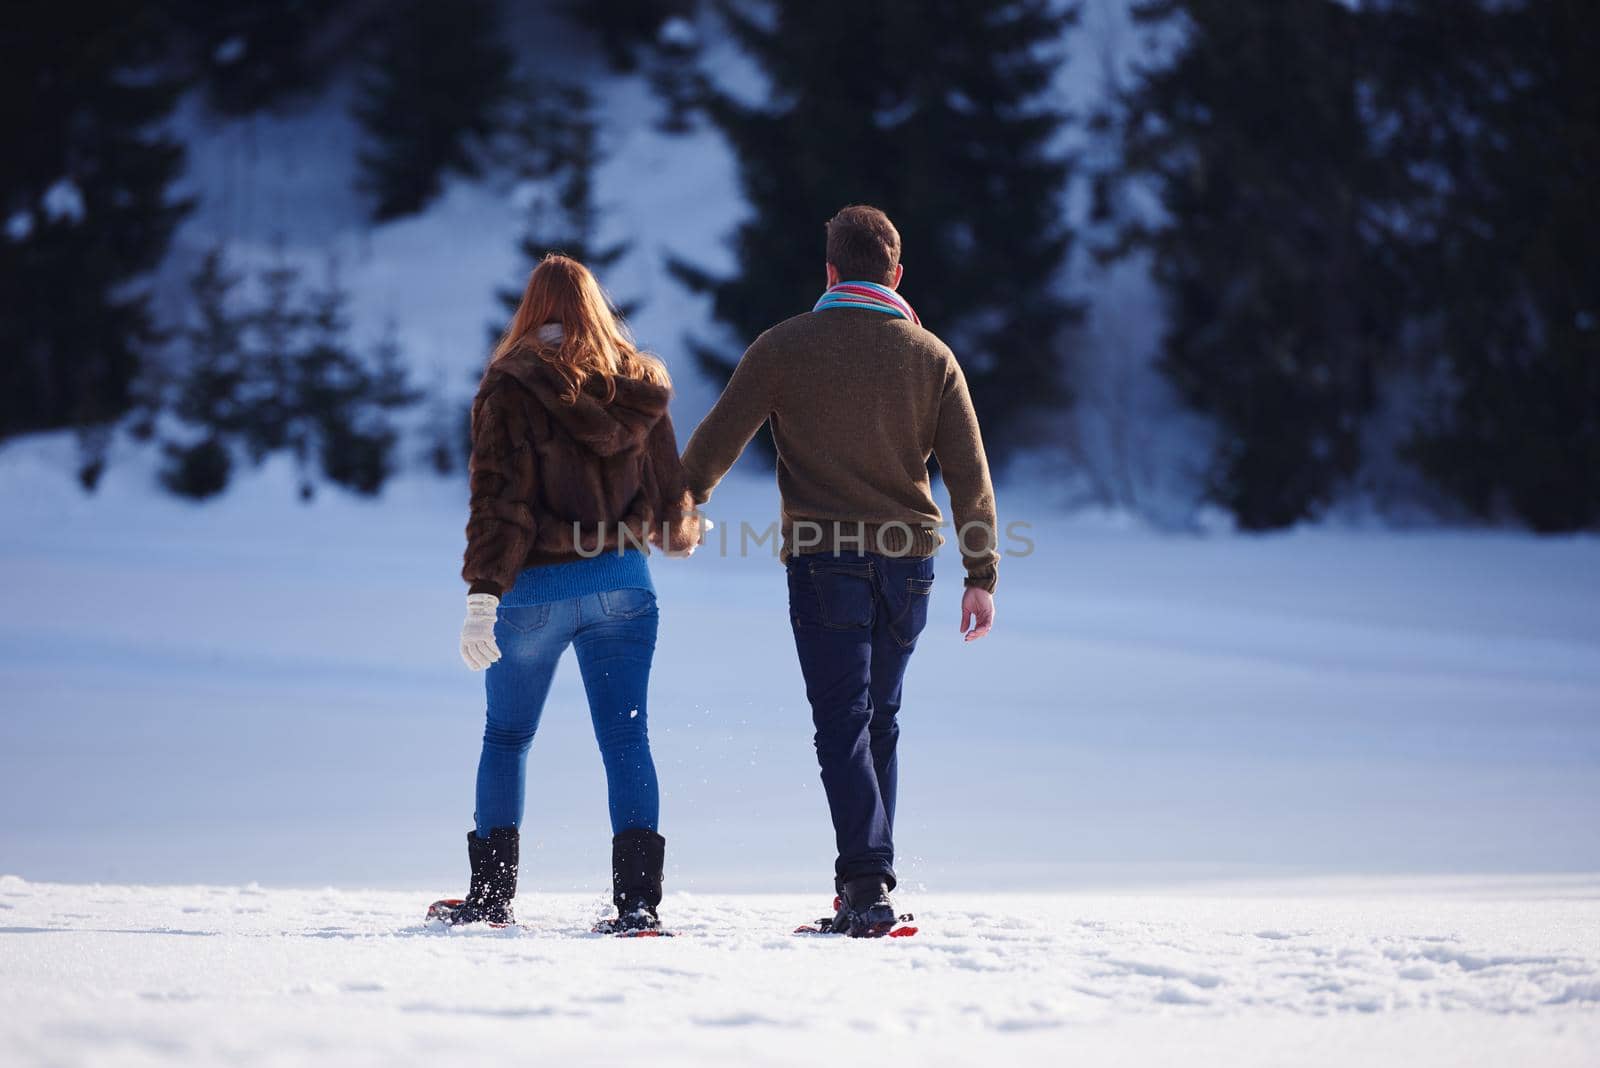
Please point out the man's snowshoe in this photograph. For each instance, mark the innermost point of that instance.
(846, 922)
(867, 911)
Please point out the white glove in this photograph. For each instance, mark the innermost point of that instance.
(478, 646)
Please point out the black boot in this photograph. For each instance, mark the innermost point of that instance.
(494, 878)
(865, 910)
(637, 858)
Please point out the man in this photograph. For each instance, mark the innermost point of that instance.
(859, 395)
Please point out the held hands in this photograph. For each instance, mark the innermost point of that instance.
(478, 647)
(683, 538)
(977, 613)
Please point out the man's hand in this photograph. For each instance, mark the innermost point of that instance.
(977, 613)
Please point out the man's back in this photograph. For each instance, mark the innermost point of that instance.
(858, 401)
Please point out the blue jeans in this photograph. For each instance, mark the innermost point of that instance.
(856, 619)
(614, 633)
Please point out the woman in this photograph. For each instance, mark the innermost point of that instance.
(574, 471)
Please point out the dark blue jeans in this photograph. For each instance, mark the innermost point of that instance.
(614, 634)
(856, 619)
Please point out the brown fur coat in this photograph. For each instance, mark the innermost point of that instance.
(550, 479)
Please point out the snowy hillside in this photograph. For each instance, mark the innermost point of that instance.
(288, 182)
(1445, 972)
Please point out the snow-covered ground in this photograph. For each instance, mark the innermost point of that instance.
(1348, 972)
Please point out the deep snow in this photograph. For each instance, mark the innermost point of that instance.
(1442, 972)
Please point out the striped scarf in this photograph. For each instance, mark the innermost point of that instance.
(869, 295)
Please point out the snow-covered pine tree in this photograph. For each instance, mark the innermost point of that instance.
(432, 83)
(554, 144)
(391, 389)
(1285, 293)
(627, 29)
(657, 37)
(942, 114)
(253, 54)
(447, 427)
(209, 371)
(359, 436)
(86, 209)
(1496, 107)
(270, 391)
(279, 375)
(341, 405)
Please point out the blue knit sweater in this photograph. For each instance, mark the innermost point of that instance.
(610, 570)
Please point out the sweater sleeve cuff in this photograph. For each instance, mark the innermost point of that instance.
(485, 586)
(984, 578)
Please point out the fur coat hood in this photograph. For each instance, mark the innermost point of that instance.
(605, 429)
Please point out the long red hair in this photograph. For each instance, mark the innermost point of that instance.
(594, 342)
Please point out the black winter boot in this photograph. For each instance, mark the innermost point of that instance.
(637, 858)
(494, 878)
(865, 910)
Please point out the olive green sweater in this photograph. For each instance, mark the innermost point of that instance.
(858, 401)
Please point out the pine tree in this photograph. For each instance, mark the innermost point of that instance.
(325, 378)
(214, 360)
(210, 384)
(358, 432)
(627, 28)
(1284, 292)
(86, 209)
(391, 389)
(235, 376)
(556, 145)
(656, 37)
(198, 470)
(431, 86)
(939, 113)
(280, 376)
(253, 54)
(1498, 105)
(447, 432)
(270, 393)
(340, 415)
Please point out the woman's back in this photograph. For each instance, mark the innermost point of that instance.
(573, 450)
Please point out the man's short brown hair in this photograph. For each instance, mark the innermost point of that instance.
(863, 245)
